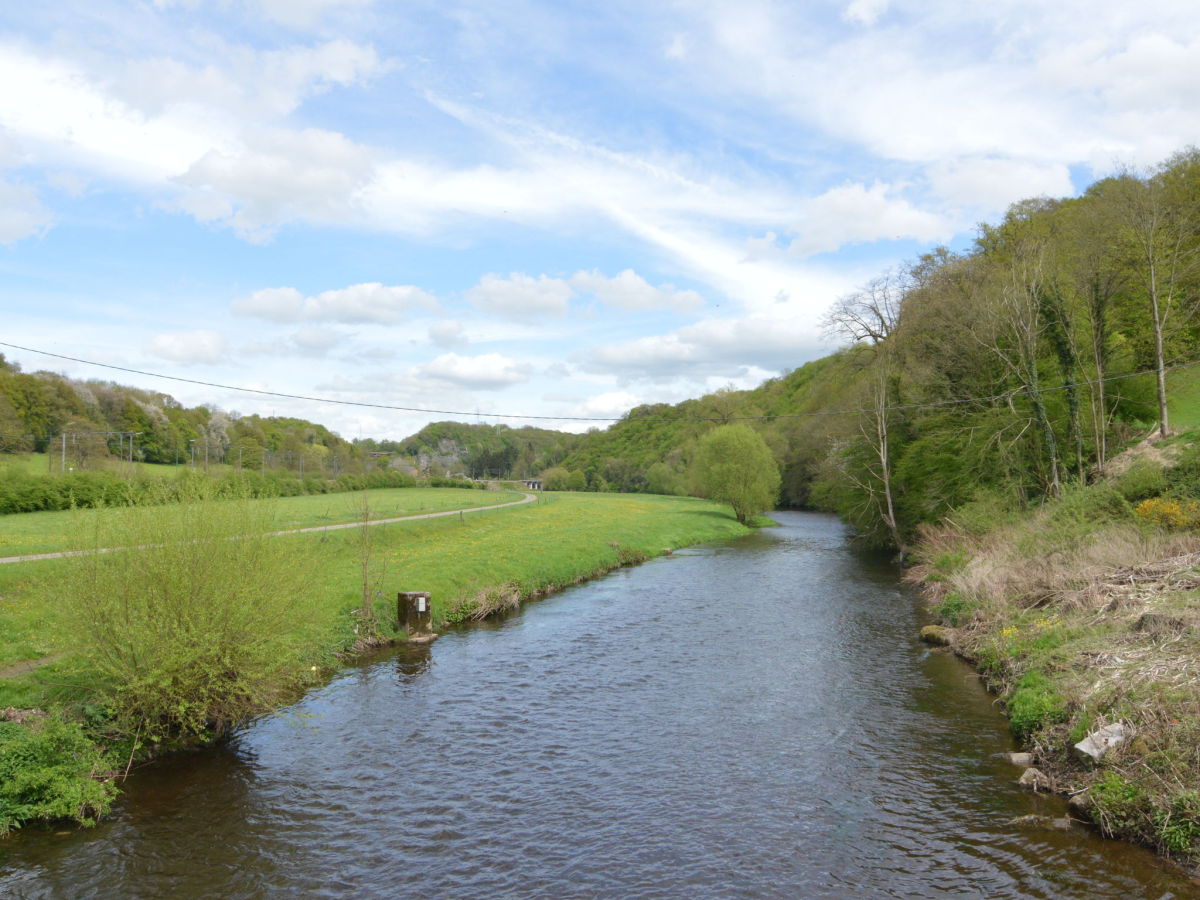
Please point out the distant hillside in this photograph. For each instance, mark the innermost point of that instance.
(87, 423)
(650, 449)
(485, 451)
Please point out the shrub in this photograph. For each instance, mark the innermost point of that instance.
(1178, 826)
(185, 626)
(1167, 512)
(1034, 704)
(1141, 480)
(955, 609)
(1120, 806)
(989, 508)
(49, 771)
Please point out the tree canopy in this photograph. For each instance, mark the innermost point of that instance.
(734, 465)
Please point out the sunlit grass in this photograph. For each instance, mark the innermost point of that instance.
(557, 541)
(50, 532)
(1183, 387)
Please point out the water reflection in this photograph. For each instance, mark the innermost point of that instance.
(412, 661)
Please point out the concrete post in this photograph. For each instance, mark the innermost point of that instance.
(414, 613)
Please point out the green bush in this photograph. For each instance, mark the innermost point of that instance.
(1178, 826)
(1034, 704)
(22, 492)
(988, 509)
(187, 629)
(1183, 478)
(955, 609)
(1141, 480)
(1121, 807)
(51, 771)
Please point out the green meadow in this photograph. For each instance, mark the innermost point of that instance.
(50, 532)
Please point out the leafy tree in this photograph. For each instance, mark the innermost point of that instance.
(734, 465)
(556, 478)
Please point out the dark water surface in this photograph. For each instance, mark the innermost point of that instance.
(753, 719)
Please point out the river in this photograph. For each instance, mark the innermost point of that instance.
(753, 719)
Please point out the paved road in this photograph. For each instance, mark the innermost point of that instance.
(528, 498)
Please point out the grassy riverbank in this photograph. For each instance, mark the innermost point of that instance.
(1086, 612)
(472, 564)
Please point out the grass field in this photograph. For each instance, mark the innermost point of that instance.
(1183, 392)
(42, 463)
(49, 532)
(557, 541)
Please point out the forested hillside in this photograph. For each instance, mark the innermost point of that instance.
(484, 451)
(1007, 368)
(86, 423)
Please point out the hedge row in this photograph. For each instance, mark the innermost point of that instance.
(24, 492)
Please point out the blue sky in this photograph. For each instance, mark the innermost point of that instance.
(530, 208)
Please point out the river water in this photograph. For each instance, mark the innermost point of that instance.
(752, 719)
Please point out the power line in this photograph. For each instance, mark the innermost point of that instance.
(933, 404)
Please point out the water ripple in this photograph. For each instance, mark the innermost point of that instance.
(753, 720)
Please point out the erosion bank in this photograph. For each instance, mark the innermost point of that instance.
(1081, 614)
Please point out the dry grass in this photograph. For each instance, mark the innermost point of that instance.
(1101, 621)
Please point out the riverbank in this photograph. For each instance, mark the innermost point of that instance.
(471, 565)
(1084, 614)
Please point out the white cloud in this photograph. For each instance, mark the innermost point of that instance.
(247, 84)
(317, 341)
(713, 348)
(21, 213)
(60, 106)
(521, 297)
(628, 290)
(190, 347)
(490, 371)
(866, 12)
(285, 176)
(448, 333)
(359, 303)
(855, 213)
(609, 405)
(989, 185)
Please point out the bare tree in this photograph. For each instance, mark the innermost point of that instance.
(870, 313)
(876, 431)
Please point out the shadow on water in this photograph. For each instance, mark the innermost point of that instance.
(749, 719)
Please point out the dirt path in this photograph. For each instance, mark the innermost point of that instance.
(28, 665)
(528, 498)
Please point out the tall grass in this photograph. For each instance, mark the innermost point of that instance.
(187, 629)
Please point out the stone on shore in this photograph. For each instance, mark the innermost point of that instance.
(1042, 823)
(1020, 759)
(1099, 742)
(1035, 780)
(937, 635)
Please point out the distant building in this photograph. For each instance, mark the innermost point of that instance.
(534, 484)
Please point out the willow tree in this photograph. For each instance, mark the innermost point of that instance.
(734, 465)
